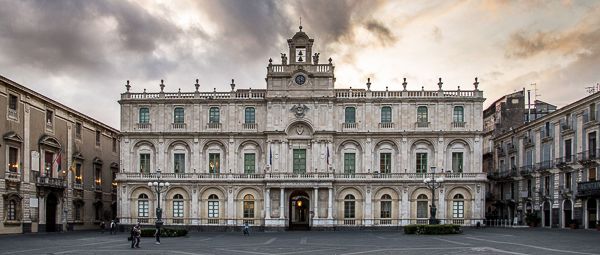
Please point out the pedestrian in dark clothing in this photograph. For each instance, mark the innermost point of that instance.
(246, 229)
(102, 226)
(132, 237)
(113, 227)
(157, 235)
(136, 233)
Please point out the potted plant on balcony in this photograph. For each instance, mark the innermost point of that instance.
(532, 219)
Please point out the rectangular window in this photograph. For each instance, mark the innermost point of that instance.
(143, 208)
(77, 212)
(299, 161)
(12, 210)
(78, 177)
(459, 114)
(457, 162)
(249, 209)
(213, 115)
(13, 102)
(349, 210)
(145, 163)
(386, 114)
(144, 115)
(592, 145)
(214, 163)
(547, 185)
(386, 209)
(249, 163)
(98, 135)
(250, 115)
(114, 144)
(422, 114)
(568, 180)
(179, 163)
(49, 117)
(48, 161)
(98, 174)
(547, 129)
(350, 115)
(421, 209)
(421, 162)
(592, 112)
(78, 130)
(178, 115)
(568, 152)
(458, 209)
(349, 163)
(13, 159)
(592, 174)
(529, 187)
(178, 209)
(213, 209)
(385, 163)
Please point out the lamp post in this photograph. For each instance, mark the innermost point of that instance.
(433, 184)
(159, 187)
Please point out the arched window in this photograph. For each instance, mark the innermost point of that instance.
(350, 115)
(179, 115)
(459, 114)
(349, 207)
(248, 206)
(422, 115)
(178, 208)
(143, 206)
(213, 209)
(213, 115)
(386, 206)
(422, 203)
(144, 115)
(250, 115)
(458, 206)
(386, 114)
(12, 210)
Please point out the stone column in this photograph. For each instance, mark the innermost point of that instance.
(330, 204)
(281, 203)
(195, 214)
(316, 208)
(267, 203)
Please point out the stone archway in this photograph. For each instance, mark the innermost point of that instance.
(299, 210)
(51, 205)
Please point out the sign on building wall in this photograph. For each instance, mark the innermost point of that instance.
(33, 202)
(35, 161)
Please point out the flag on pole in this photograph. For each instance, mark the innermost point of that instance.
(58, 162)
(271, 155)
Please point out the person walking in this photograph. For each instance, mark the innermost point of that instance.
(102, 226)
(157, 235)
(246, 229)
(113, 227)
(138, 235)
(132, 236)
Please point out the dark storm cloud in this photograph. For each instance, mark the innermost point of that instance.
(63, 36)
(385, 36)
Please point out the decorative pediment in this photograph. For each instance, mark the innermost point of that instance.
(14, 137)
(97, 161)
(50, 141)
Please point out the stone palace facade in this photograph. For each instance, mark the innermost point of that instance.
(300, 153)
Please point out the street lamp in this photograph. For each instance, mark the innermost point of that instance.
(433, 183)
(159, 187)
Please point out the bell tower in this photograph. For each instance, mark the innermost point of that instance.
(300, 75)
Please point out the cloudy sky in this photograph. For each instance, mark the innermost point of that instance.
(82, 52)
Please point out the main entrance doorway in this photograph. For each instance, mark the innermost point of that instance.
(299, 211)
(51, 202)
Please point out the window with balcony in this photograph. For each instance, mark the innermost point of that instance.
(386, 207)
(98, 175)
(457, 162)
(421, 163)
(249, 163)
(13, 159)
(349, 163)
(422, 204)
(144, 117)
(143, 206)
(78, 130)
(179, 163)
(386, 114)
(350, 115)
(459, 114)
(592, 145)
(213, 115)
(214, 163)
(145, 163)
(547, 185)
(98, 136)
(592, 174)
(422, 116)
(48, 161)
(458, 206)
(177, 207)
(529, 187)
(299, 161)
(78, 177)
(250, 115)
(568, 180)
(248, 206)
(178, 115)
(385, 163)
(568, 150)
(349, 207)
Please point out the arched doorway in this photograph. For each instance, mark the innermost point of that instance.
(546, 214)
(299, 211)
(591, 213)
(567, 213)
(51, 203)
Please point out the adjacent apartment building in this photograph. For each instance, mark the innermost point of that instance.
(59, 164)
(549, 167)
(302, 153)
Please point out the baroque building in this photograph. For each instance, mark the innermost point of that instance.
(301, 153)
(59, 165)
(548, 167)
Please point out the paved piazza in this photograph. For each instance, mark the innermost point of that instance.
(473, 241)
